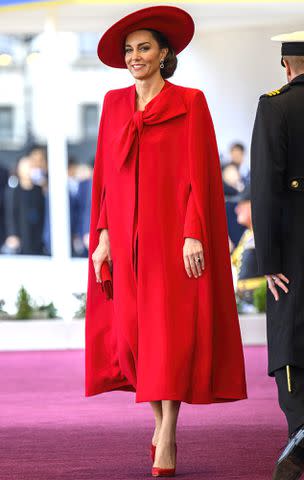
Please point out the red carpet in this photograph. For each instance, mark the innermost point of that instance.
(50, 431)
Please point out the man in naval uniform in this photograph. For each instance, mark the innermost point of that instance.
(277, 185)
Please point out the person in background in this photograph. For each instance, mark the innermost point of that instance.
(39, 175)
(80, 184)
(232, 185)
(84, 195)
(244, 257)
(39, 171)
(3, 185)
(24, 213)
(237, 157)
(73, 186)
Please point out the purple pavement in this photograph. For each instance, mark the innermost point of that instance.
(50, 431)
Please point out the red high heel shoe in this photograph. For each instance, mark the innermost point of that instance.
(164, 472)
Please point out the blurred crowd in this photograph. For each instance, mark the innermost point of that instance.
(236, 184)
(235, 174)
(24, 206)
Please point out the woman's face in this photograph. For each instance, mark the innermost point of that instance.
(142, 54)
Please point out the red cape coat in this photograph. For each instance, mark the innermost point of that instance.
(157, 180)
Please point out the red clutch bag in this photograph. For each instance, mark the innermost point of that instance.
(106, 280)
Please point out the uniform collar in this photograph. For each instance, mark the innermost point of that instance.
(298, 79)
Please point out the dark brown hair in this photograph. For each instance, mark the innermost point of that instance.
(170, 60)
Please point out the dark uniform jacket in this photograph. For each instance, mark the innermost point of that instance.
(277, 186)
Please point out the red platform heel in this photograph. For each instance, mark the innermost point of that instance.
(164, 472)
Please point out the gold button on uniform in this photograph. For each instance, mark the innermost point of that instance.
(294, 184)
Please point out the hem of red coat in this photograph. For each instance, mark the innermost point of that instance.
(90, 392)
(193, 401)
(218, 398)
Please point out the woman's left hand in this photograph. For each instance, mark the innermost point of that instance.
(192, 250)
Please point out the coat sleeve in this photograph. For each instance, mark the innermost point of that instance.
(102, 220)
(99, 188)
(268, 168)
(207, 196)
(99, 319)
(216, 305)
(192, 225)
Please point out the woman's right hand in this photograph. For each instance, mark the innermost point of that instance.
(192, 250)
(102, 252)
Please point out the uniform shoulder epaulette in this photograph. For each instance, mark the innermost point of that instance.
(274, 93)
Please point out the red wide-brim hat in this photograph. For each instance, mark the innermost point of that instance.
(174, 22)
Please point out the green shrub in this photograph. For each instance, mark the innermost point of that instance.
(82, 297)
(27, 309)
(49, 310)
(259, 297)
(3, 313)
(24, 305)
(2, 303)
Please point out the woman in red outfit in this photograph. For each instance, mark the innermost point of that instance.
(171, 331)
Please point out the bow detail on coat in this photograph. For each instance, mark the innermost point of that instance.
(165, 106)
